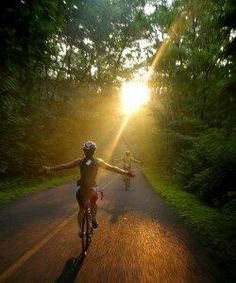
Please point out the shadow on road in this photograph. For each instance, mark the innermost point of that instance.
(71, 269)
(118, 206)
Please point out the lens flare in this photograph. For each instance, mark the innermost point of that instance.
(134, 95)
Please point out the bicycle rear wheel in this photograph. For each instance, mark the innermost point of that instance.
(127, 183)
(84, 234)
(87, 231)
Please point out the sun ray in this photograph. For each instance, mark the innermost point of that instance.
(178, 27)
(116, 139)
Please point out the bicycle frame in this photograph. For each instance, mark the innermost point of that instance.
(127, 179)
(87, 227)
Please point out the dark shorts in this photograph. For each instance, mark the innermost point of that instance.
(91, 195)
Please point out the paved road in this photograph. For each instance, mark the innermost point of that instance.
(139, 239)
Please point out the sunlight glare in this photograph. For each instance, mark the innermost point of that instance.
(134, 95)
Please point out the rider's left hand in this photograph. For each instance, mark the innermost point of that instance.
(44, 169)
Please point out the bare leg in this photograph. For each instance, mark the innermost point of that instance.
(80, 217)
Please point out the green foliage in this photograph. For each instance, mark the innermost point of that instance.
(208, 167)
(216, 227)
(57, 57)
(194, 94)
(61, 58)
(11, 190)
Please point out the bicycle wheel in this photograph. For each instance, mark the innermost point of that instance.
(84, 234)
(89, 228)
(127, 183)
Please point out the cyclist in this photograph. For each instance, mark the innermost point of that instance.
(127, 160)
(88, 166)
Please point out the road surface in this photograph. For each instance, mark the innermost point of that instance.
(139, 239)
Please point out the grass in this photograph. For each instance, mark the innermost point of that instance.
(10, 191)
(13, 189)
(212, 224)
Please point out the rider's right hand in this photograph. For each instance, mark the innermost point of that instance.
(130, 174)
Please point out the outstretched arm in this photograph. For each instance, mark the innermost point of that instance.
(68, 165)
(115, 169)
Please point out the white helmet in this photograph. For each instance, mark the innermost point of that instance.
(89, 146)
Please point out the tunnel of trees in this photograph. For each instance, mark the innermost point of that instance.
(62, 62)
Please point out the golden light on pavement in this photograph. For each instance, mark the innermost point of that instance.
(134, 95)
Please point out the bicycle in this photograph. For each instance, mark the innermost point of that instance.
(127, 182)
(87, 225)
(126, 178)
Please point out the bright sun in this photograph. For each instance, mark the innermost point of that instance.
(134, 95)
